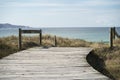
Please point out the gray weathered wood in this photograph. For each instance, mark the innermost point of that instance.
(55, 41)
(40, 37)
(113, 32)
(54, 63)
(20, 40)
(111, 37)
(30, 31)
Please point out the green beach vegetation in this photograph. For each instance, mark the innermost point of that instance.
(110, 57)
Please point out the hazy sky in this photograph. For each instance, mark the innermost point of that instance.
(61, 13)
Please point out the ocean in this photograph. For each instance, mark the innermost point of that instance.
(92, 34)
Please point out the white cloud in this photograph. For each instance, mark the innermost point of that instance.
(48, 4)
(83, 13)
(100, 3)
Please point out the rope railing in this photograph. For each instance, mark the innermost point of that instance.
(118, 36)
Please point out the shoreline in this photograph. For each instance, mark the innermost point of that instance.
(90, 34)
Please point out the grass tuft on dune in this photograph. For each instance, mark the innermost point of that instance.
(111, 58)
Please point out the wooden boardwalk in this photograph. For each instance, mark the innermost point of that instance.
(49, 64)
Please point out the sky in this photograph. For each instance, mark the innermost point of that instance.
(61, 13)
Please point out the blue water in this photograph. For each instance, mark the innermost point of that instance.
(94, 34)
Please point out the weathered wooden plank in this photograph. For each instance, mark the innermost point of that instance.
(31, 31)
(49, 64)
(79, 76)
(53, 78)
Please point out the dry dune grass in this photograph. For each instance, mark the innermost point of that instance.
(8, 45)
(111, 58)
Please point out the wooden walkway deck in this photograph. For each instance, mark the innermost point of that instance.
(49, 64)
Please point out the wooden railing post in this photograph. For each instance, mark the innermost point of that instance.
(20, 41)
(113, 32)
(40, 37)
(111, 37)
(55, 42)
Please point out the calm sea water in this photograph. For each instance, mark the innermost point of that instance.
(96, 34)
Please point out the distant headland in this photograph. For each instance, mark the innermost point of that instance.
(7, 25)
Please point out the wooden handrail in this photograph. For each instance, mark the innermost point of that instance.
(28, 31)
(117, 34)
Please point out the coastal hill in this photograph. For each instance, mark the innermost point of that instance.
(7, 25)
